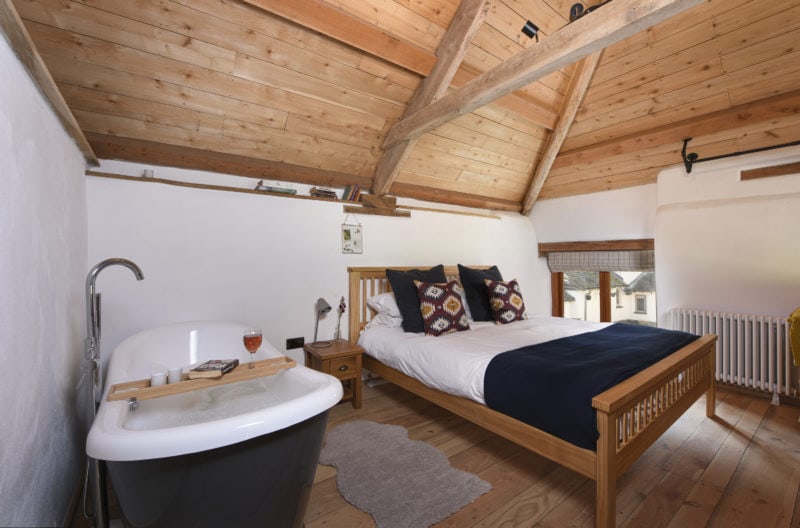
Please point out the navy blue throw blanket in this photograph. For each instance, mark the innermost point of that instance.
(551, 385)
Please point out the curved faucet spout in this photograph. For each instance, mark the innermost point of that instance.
(93, 301)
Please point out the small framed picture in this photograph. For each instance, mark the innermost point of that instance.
(351, 239)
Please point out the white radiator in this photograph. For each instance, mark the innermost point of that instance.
(752, 350)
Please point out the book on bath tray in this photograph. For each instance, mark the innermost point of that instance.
(213, 368)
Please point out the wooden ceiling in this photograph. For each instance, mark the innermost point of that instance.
(331, 92)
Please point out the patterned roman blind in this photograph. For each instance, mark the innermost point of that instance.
(626, 260)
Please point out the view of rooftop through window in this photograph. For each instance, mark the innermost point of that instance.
(633, 296)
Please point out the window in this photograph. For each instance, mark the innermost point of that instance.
(587, 276)
(641, 304)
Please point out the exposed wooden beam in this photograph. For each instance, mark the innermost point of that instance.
(114, 147)
(572, 101)
(341, 26)
(608, 24)
(430, 194)
(451, 51)
(21, 43)
(729, 119)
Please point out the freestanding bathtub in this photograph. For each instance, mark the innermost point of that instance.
(242, 454)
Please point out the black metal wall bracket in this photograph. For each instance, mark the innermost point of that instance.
(692, 157)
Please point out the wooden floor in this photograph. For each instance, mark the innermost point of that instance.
(741, 469)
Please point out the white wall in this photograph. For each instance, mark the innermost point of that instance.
(729, 245)
(42, 265)
(265, 260)
(620, 214)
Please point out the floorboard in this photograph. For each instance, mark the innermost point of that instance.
(739, 469)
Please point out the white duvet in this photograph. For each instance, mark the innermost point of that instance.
(455, 363)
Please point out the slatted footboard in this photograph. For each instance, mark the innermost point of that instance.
(632, 415)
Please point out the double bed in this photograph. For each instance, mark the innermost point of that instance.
(630, 416)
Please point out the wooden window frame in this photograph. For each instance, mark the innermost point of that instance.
(557, 277)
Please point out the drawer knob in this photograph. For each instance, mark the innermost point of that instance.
(342, 368)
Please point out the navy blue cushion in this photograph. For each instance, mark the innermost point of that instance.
(472, 280)
(406, 295)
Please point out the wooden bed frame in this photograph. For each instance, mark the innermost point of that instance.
(631, 416)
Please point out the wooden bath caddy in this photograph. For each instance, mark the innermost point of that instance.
(142, 390)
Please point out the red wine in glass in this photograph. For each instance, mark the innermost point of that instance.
(252, 342)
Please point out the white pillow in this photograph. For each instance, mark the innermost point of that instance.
(385, 304)
(385, 320)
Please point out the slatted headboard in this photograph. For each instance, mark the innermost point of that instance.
(369, 281)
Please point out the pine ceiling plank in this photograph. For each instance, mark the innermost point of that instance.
(156, 153)
(607, 183)
(251, 140)
(363, 36)
(739, 116)
(111, 27)
(703, 97)
(319, 16)
(19, 40)
(611, 22)
(451, 51)
(572, 101)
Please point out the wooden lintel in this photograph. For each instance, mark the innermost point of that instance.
(598, 245)
(612, 22)
(376, 211)
(728, 119)
(430, 194)
(572, 101)
(451, 51)
(774, 170)
(21, 43)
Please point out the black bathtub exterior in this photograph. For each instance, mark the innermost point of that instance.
(263, 482)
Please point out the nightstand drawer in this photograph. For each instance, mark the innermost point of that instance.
(345, 367)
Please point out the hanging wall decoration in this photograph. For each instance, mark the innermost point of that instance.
(352, 241)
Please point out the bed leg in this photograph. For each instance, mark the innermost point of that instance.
(711, 399)
(711, 393)
(606, 478)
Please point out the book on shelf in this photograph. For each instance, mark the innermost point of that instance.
(321, 192)
(271, 188)
(355, 192)
(213, 368)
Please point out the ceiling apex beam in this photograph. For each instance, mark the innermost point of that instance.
(572, 102)
(608, 24)
(451, 51)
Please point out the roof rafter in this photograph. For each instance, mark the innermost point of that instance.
(572, 101)
(341, 26)
(610, 23)
(739, 116)
(451, 51)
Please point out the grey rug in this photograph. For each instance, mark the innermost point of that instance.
(402, 483)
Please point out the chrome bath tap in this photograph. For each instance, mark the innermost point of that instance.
(94, 479)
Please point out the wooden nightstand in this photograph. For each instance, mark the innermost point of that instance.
(342, 360)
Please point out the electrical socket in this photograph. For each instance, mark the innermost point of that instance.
(295, 342)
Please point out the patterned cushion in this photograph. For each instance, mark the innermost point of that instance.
(506, 301)
(442, 307)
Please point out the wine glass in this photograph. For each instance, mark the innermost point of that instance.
(252, 341)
